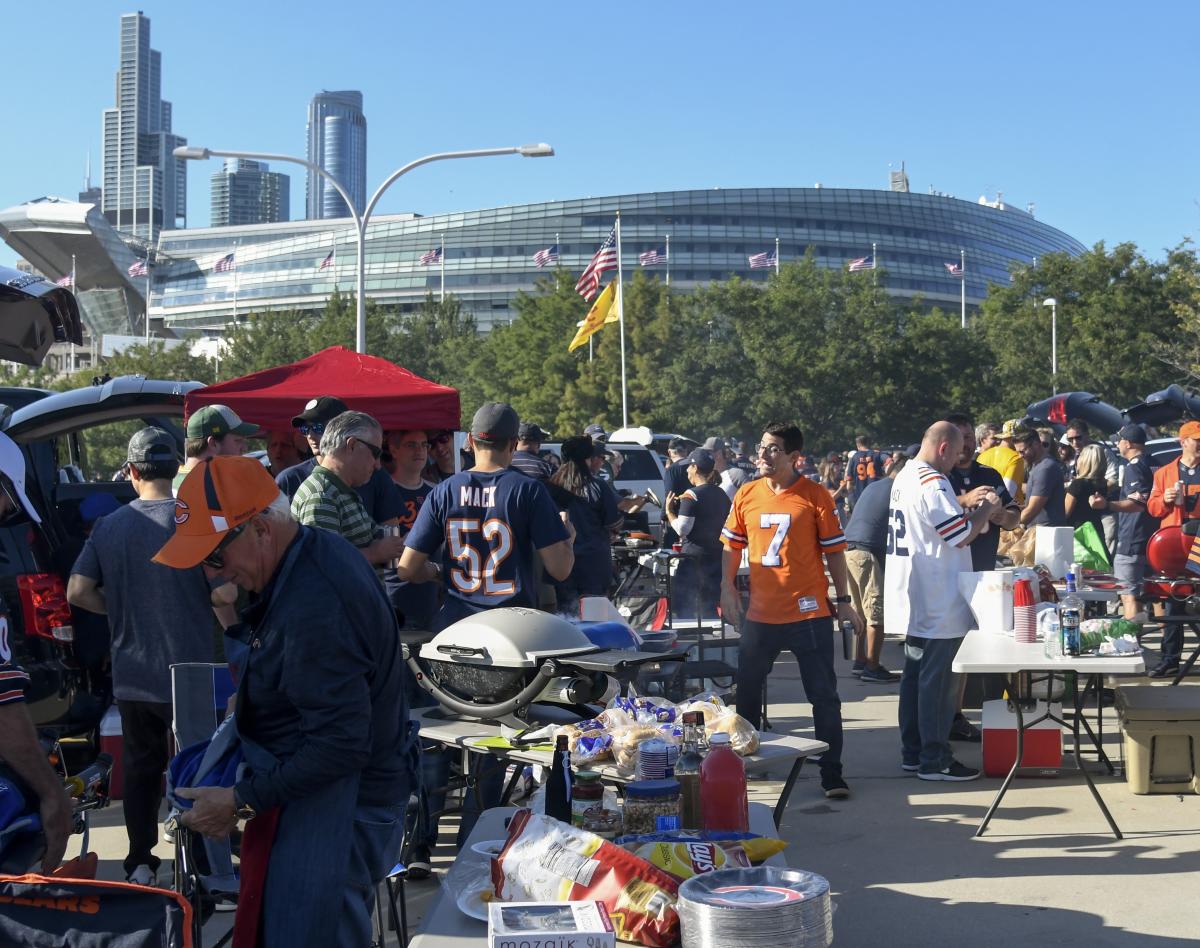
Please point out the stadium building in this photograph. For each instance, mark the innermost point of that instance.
(205, 277)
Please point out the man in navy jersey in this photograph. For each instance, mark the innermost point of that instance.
(416, 603)
(864, 467)
(489, 522)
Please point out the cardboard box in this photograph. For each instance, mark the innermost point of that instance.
(549, 925)
(1043, 742)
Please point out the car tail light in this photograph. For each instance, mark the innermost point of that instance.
(44, 606)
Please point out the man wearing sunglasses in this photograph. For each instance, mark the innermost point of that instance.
(378, 495)
(321, 711)
(350, 448)
(158, 617)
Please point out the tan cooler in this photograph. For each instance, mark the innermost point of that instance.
(1162, 737)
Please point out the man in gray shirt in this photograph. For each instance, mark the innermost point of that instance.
(1045, 492)
(158, 616)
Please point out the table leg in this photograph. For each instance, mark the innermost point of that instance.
(1018, 698)
(518, 770)
(1079, 761)
(1093, 681)
(1187, 666)
(786, 793)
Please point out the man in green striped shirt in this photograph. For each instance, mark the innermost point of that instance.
(350, 448)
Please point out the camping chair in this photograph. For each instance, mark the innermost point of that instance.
(204, 872)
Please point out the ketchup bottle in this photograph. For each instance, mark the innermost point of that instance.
(723, 798)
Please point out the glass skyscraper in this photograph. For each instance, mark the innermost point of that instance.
(248, 192)
(144, 185)
(337, 142)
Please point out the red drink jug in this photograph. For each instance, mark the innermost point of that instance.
(723, 788)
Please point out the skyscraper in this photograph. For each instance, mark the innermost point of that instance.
(337, 142)
(144, 186)
(247, 192)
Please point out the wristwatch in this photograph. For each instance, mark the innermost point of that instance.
(242, 810)
(840, 600)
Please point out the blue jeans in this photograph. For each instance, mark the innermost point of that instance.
(811, 641)
(378, 834)
(1171, 649)
(928, 699)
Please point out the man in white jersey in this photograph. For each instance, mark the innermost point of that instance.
(927, 540)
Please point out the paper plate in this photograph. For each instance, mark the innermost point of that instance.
(471, 903)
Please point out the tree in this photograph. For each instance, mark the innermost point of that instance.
(441, 342)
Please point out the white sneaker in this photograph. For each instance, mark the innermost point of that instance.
(142, 875)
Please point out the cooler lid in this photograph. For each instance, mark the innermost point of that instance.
(1159, 703)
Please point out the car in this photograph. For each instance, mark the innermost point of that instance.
(641, 470)
(69, 441)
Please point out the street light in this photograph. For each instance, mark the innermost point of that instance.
(197, 153)
(1053, 304)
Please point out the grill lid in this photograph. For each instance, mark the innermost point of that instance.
(512, 637)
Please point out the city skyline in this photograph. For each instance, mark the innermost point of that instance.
(975, 107)
(336, 134)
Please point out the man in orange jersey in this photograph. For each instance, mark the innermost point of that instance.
(790, 528)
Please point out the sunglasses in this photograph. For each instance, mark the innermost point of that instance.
(1076, 438)
(316, 428)
(440, 439)
(376, 450)
(216, 559)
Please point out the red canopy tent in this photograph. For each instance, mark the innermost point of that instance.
(395, 396)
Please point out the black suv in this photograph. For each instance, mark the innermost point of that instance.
(59, 435)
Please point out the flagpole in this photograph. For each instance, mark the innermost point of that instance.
(150, 244)
(777, 256)
(668, 259)
(557, 249)
(874, 264)
(621, 323)
(74, 288)
(442, 261)
(235, 280)
(962, 266)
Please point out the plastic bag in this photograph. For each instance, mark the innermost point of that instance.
(757, 848)
(709, 704)
(1094, 632)
(743, 736)
(626, 741)
(686, 859)
(544, 860)
(1089, 548)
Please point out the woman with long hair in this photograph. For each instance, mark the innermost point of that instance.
(591, 504)
(1090, 466)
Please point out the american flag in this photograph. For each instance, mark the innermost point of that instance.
(549, 255)
(431, 256)
(954, 268)
(863, 263)
(653, 257)
(139, 268)
(225, 264)
(604, 259)
(68, 280)
(762, 261)
(327, 262)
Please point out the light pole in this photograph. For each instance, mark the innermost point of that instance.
(193, 152)
(1053, 304)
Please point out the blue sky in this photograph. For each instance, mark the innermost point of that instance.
(1086, 110)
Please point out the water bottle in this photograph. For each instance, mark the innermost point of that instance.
(1070, 614)
(1052, 639)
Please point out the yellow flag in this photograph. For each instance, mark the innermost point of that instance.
(597, 316)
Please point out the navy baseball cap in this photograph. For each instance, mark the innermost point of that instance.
(1134, 433)
(703, 459)
(495, 422)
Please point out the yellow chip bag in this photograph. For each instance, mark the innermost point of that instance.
(761, 847)
(684, 860)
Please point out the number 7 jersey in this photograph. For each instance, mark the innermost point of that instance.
(786, 536)
(488, 525)
(920, 577)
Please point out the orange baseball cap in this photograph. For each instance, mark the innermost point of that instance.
(1190, 429)
(216, 496)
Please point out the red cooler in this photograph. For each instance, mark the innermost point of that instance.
(110, 743)
(1043, 742)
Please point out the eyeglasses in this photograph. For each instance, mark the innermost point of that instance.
(216, 559)
(376, 450)
(770, 450)
(1072, 440)
(316, 428)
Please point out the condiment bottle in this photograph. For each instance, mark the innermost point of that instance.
(723, 799)
(687, 772)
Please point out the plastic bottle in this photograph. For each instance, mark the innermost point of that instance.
(687, 772)
(723, 798)
(558, 783)
(1052, 639)
(1070, 614)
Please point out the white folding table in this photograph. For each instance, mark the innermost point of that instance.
(983, 652)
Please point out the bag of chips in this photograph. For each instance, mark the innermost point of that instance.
(756, 848)
(544, 860)
(684, 860)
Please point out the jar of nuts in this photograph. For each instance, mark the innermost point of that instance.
(651, 806)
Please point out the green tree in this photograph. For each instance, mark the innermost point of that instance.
(441, 342)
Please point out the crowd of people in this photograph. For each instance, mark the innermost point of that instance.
(306, 577)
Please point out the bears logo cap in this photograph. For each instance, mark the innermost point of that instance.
(216, 496)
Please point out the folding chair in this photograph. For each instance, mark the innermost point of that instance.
(204, 872)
